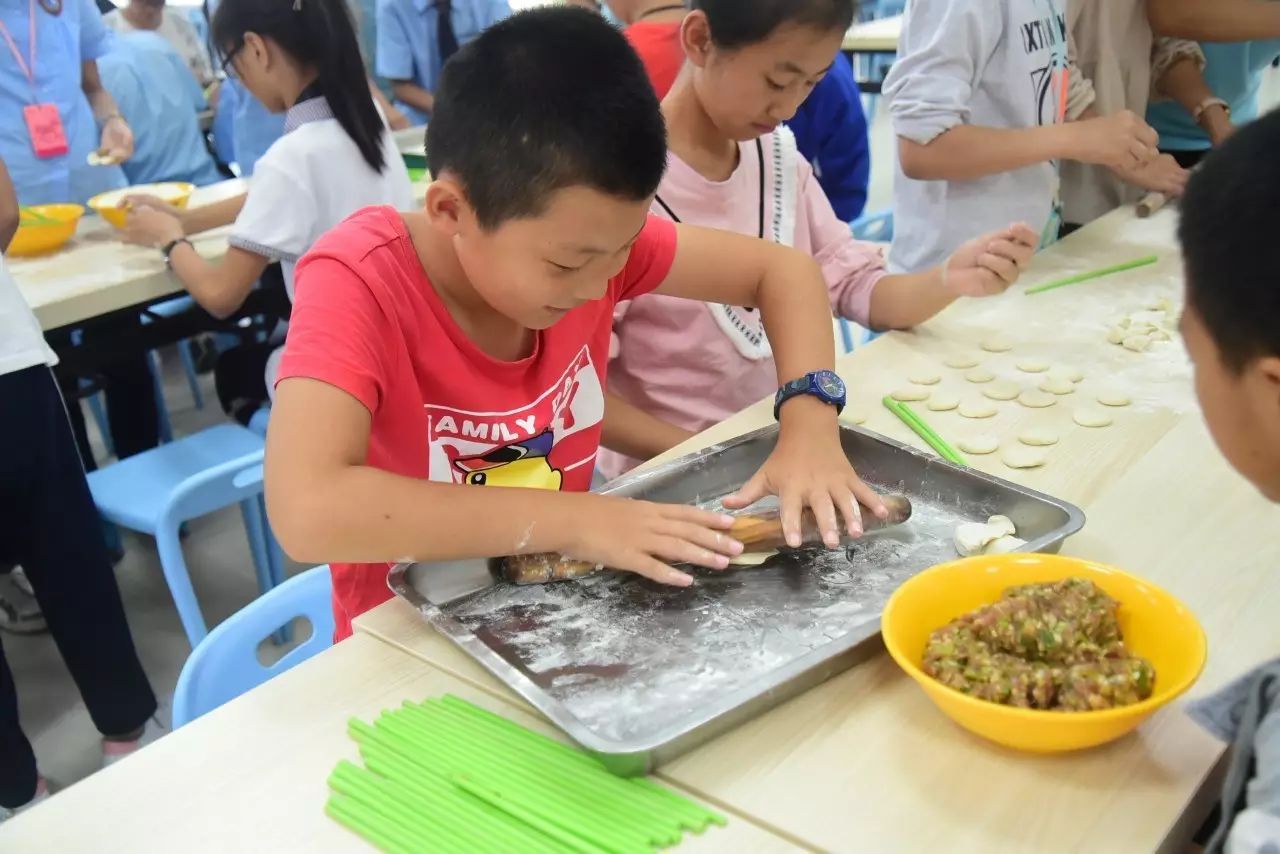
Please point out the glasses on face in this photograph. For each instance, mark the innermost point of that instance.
(229, 59)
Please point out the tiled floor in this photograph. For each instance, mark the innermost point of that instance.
(217, 553)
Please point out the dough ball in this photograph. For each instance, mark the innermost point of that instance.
(1004, 546)
(979, 375)
(1002, 526)
(1033, 366)
(925, 377)
(1036, 399)
(910, 393)
(942, 401)
(1113, 397)
(1091, 416)
(971, 538)
(960, 361)
(1038, 436)
(1116, 334)
(853, 416)
(1137, 343)
(997, 344)
(979, 443)
(1023, 457)
(1001, 390)
(1057, 385)
(976, 407)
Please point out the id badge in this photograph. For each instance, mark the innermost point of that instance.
(44, 126)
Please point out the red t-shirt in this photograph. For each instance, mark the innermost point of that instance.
(658, 45)
(367, 320)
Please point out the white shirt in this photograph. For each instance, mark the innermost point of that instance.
(987, 63)
(311, 179)
(180, 33)
(22, 344)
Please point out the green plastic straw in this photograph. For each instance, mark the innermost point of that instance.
(1096, 274)
(33, 216)
(356, 818)
(446, 828)
(497, 801)
(909, 417)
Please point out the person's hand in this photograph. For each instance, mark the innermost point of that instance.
(645, 538)
(396, 118)
(116, 144)
(1162, 175)
(989, 264)
(808, 466)
(1121, 140)
(147, 226)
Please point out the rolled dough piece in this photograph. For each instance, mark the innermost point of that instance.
(997, 343)
(961, 361)
(910, 393)
(1038, 436)
(96, 159)
(1113, 397)
(1036, 399)
(1023, 457)
(852, 416)
(1033, 366)
(1137, 343)
(1055, 384)
(1073, 374)
(1002, 526)
(942, 401)
(1123, 322)
(976, 407)
(1001, 390)
(1004, 545)
(751, 558)
(925, 377)
(979, 443)
(1091, 416)
(971, 538)
(1161, 304)
(1116, 334)
(979, 375)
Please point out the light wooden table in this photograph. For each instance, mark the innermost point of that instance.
(878, 36)
(251, 776)
(864, 761)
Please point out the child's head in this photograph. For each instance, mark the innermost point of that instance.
(547, 146)
(278, 46)
(1231, 322)
(755, 61)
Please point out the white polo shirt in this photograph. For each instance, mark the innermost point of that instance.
(22, 344)
(311, 179)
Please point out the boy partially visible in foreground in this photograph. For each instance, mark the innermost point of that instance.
(1231, 325)
(437, 358)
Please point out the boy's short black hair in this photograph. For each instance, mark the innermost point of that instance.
(738, 23)
(546, 99)
(1230, 235)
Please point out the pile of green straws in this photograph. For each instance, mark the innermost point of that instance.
(446, 775)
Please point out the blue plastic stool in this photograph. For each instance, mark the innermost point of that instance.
(172, 308)
(225, 664)
(156, 491)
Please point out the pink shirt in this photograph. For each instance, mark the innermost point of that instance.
(693, 364)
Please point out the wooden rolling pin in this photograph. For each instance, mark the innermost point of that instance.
(1150, 203)
(757, 532)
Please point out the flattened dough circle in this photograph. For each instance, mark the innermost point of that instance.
(1023, 457)
(925, 376)
(979, 443)
(852, 416)
(979, 375)
(1036, 399)
(751, 558)
(976, 407)
(1056, 384)
(1033, 366)
(942, 401)
(1091, 416)
(996, 343)
(910, 393)
(1038, 436)
(1113, 397)
(1001, 390)
(960, 361)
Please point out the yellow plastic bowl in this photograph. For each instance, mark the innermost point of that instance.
(108, 205)
(1155, 625)
(36, 238)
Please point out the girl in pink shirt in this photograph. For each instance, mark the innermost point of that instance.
(680, 366)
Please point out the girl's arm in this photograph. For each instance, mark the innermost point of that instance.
(630, 430)
(1183, 81)
(1215, 20)
(194, 220)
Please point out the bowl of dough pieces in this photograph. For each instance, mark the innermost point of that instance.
(1043, 653)
(113, 208)
(43, 229)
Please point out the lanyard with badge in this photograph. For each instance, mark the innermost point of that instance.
(44, 125)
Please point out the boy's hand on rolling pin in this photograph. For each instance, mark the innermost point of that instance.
(645, 537)
(808, 466)
(147, 226)
(990, 264)
(1121, 140)
(1161, 175)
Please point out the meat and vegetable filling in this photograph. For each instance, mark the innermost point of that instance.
(1042, 646)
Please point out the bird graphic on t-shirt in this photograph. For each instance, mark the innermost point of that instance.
(524, 463)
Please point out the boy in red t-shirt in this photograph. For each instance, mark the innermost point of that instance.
(437, 360)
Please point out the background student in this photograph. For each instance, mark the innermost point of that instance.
(170, 24)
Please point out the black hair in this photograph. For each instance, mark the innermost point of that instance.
(546, 99)
(318, 33)
(1230, 216)
(738, 23)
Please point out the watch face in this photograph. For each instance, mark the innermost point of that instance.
(831, 384)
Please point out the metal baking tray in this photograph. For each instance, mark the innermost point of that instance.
(638, 673)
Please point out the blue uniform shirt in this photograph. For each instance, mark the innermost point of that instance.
(407, 41)
(63, 43)
(160, 99)
(1234, 73)
(831, 132)
(253, 127)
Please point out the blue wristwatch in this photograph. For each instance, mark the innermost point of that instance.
(824, 385)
